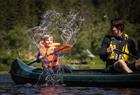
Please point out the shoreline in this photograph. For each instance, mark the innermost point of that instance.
(4, 72)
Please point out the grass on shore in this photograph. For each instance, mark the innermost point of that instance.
(94, 63)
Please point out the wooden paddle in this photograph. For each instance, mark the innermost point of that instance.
(62, 49)
(136, 57)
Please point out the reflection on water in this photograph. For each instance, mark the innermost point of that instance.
(7, 87)
(52, 90)
(28, 89)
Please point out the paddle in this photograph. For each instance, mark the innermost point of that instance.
(48, 55)
(136, 57)
(33, 62)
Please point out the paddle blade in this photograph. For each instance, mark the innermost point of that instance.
(64, 48)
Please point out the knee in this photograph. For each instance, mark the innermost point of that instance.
(121, 61)
(137, 64)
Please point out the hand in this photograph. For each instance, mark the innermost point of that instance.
(38, 60)
(58, 53)
(110, 50)
(138, 61)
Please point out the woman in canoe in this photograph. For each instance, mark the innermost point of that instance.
(49, 52)
(112, 47)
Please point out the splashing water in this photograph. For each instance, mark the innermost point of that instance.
(71, 27)
(49, 22)
(52, 21)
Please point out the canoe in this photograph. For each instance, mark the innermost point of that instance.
(22, 73)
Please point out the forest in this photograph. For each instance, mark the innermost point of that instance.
(17, 16)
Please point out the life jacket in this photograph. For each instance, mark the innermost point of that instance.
(121, 45)
(51, 58)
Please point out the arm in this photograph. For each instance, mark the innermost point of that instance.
(103, 50)
(132, 47)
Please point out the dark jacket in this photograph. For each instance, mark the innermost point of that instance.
(106, 42)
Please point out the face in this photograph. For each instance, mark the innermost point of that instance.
(115, 31)
(49, 41)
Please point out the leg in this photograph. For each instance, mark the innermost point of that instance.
(59, 69)
(44, 65)
(137, 64)
(121, 66)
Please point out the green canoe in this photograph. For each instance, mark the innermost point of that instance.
(22, 73)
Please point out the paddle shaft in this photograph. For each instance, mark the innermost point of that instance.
(136, 57)
(47, 55)
(55, 51)
(32, 62)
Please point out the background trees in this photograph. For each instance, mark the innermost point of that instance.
(17, 16)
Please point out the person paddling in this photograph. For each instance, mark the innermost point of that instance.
(49, 52)
(118, 40)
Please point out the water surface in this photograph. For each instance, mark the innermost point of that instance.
(8, 87)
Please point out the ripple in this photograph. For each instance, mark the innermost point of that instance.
(9, 88)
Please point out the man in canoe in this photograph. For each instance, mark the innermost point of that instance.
(49, 52)
(116, 47)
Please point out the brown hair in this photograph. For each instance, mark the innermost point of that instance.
(118, 23)
(46, 36)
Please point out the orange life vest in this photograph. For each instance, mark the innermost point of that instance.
(48, 52)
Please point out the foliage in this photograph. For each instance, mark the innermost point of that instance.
(18, 37)
(16, 40)
(17, 16)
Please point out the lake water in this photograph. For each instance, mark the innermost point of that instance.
(8, 87)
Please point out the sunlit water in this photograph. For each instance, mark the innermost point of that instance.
(7, 87)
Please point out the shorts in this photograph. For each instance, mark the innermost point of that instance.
(110, 66)
(132, 66)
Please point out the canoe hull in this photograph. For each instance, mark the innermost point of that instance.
(21, 73)
(23, 80)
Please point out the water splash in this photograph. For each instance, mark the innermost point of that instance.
(68, 25)
(70, 28)
(50, 20)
